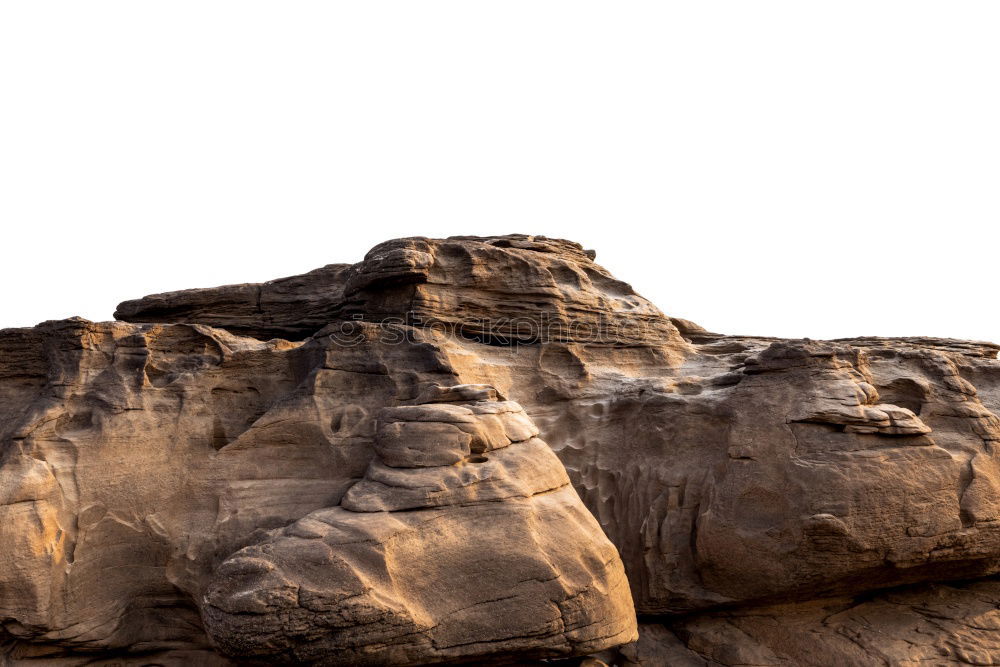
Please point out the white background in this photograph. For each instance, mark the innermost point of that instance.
(782, 168)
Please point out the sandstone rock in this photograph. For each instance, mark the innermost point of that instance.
(731, 472)
(287, 308)
(498, 290)
(484, 557)
(937, 624)
(659, 645)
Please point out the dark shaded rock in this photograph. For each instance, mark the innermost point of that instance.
(292, 308)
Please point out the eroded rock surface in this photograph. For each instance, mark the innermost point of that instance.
(740, 478)
(464, 540)
(496, 290)
(932, 624)
(292, 307)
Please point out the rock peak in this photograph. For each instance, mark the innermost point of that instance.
(502, 290)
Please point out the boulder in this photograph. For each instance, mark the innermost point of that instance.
(489, 557)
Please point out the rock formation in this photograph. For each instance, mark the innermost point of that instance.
(464, 540)
(292, 308)
(243, 473)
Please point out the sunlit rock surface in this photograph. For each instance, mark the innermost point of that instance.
(741, 479)
(463, 541)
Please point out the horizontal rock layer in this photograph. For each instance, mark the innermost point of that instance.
(292, 307)
(498, 290)
(936, 624)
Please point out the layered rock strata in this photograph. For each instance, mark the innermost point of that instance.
(291, 308)
(464, 540)
(497, 290)
(741, 478)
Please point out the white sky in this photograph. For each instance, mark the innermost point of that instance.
(779, 168)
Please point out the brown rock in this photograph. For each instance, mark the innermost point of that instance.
(500, 290)
(488, 558)
(292, 307)
(938, 624)
(731, 472)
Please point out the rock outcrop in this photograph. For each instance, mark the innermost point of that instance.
(292, 308)
(929, 624)
(464, 540)
(168, 481)
(501, 290)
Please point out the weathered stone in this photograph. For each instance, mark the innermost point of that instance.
(957, 624)
(294, 307)
(734, 474)
(519, 570)
(421, 443)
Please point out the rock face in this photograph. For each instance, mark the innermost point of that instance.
(292, 472)
(293, 308)
(494, 290)
(464, 540)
